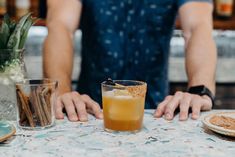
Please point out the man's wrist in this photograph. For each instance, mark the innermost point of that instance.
(62, 91)
(202, 91)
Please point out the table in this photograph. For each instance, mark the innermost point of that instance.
(157, 138)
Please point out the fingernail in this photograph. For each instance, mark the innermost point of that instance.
(195, 116)
(83, 118)
(60, 116)
(101, 116)
(73, 118)
(183, 118)
(168, 116)
(156, 114)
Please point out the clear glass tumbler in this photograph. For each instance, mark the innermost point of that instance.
(35, 102)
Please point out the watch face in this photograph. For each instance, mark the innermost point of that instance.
(197, 89)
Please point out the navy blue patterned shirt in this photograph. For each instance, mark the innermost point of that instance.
(127, 39)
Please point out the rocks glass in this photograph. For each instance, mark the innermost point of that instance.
(35, 102)
(123, 105)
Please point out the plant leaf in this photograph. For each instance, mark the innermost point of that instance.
(24, 31)
(13, 36)
(4, 35)
(5, 31)
(11, 23)
(14, 39)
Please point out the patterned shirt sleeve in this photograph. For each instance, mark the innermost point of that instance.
(181, 2)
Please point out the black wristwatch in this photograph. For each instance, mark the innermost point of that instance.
(202, 90)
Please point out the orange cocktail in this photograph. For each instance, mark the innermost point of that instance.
(123, 105)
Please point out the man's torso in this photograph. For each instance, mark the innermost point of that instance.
(126, 39)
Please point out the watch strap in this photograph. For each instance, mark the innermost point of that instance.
(202, 90)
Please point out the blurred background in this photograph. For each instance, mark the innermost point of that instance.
(224, 35)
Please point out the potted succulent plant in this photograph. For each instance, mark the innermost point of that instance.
(13, 36)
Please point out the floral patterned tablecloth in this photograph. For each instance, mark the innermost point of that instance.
(157, 138)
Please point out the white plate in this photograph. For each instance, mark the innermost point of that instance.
(218, 129)
(6, 130)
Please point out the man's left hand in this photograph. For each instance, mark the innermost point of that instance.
(184, 101)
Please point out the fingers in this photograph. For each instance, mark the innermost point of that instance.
(184, 101)
(200, 103)
(197, 103)
(77, 106)
(184, 107)
(92, 106)
(80, 107)
(69, 106)
(207, 103)
(161, 107)
(172, 105)
(58, 109)
(196, 107)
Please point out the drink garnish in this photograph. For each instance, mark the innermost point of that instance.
(109, 81)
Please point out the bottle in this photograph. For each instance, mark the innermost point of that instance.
(34, 7)
(224, 8)
(3, 7)
(11, 8)
(22, 7)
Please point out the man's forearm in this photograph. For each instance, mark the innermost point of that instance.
(58, 57)
(201, 58)
(62, 21)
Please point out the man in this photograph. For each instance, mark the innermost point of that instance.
(129, 39)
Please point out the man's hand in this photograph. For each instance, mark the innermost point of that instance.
(184, 101)
(77, 106)
(200, 58)
(62, 21)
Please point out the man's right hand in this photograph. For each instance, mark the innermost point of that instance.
(77, 107)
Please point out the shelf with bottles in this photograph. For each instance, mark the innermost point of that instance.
(38, 7)
(223, 23)
(228, 24)
(224, 14)
(17, 8)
